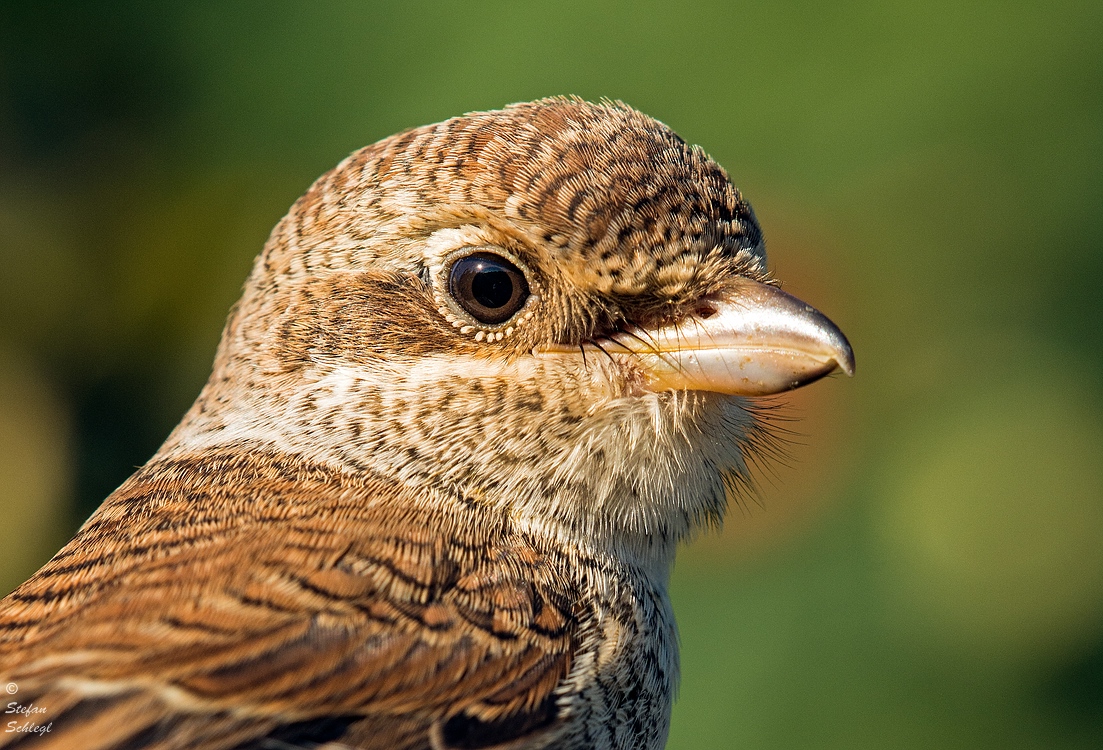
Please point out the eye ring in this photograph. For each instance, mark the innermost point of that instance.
(488, 287)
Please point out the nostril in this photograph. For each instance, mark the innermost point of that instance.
(705, 311)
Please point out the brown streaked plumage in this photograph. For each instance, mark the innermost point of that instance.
(484, 377)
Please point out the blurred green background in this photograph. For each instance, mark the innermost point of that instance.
(926, 568)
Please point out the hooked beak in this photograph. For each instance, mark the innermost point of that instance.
(757, 341)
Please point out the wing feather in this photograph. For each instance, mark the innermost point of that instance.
(300, 605)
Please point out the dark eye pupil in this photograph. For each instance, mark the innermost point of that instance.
(488, 287)
(492, 289)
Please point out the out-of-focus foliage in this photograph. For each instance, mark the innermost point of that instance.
(926, 569)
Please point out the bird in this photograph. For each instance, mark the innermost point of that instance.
(483, 379)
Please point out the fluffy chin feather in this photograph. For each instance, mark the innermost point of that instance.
(654, 465)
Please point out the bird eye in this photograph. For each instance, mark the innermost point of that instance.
(488, 287)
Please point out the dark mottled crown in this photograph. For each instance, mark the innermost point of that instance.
(607, 187)
(597, 179)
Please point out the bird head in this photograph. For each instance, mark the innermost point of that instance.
(559, 309)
